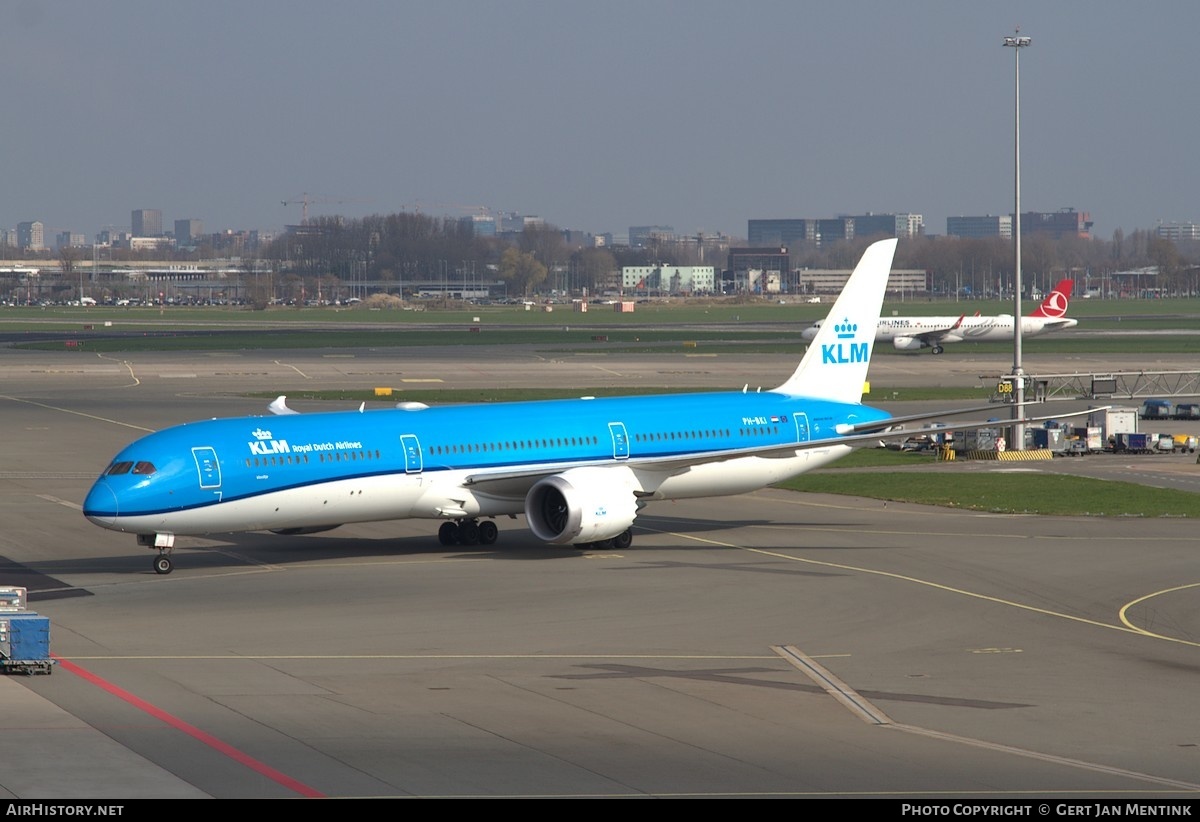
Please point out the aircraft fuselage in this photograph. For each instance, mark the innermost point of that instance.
(313, 470)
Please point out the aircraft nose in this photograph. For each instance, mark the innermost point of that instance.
(100, 505)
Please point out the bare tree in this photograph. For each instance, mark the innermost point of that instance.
(1163, 254)
(594, 266)
(521, 271)
(545, 242)
(67, 257)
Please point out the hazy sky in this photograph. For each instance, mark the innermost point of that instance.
(597, 115)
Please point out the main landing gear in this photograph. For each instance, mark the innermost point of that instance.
(937, 349)
(468, 532)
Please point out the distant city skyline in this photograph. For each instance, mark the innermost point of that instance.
(702, 115)
(148, 224)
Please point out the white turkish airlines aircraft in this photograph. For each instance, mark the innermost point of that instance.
(915, 333)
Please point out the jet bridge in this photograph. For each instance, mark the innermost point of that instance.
(1113, 385)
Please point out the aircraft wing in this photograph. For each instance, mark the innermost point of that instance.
(891, 422)
(519, 481)
(934, 335)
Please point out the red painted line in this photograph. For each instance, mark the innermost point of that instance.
(193, 731)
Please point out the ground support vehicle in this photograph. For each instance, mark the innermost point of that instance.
(1157, 410)
(1134, 443)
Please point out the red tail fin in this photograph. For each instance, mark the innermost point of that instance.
(1055, 304)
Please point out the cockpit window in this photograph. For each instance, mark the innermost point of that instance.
(118, 468)
(144, 468)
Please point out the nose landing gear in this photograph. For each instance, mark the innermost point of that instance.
(165, 543)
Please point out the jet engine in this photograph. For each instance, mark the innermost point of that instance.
(907, 343)
(582, 505)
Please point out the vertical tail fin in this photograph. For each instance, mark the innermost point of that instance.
(1056, 302)
(835, 365)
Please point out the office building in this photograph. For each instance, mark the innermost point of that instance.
(147, 222)
(188, 232)
(1178, 231)
(646, 236)
(988, 225)
(30, 236)
(1066, 222)
(763, 233)
(801, 232)
(668, 279)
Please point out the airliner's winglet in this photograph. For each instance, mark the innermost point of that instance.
(279, 406)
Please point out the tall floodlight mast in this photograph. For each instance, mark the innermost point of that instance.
(1016, 43)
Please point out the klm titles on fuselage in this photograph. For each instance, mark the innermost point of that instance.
(843, 353)
(265, 445)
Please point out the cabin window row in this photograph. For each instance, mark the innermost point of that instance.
(659, 436)
(563, 442)
(303, 459)
(700, 435)
(512, 445)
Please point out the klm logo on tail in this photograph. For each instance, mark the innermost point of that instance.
(841, 353)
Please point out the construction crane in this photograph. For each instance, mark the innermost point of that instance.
(419, 206)
(305, 201)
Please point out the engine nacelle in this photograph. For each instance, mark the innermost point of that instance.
(582, 505)
(907, 343)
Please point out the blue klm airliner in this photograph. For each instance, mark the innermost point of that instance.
(578, 469)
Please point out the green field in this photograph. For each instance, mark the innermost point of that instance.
(712, 327)
(1024, 493)
(1094, 313)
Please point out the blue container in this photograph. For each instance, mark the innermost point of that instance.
(25, 643)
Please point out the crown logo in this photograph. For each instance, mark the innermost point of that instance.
(261, 434)
(846, 330)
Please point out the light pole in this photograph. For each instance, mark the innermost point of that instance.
(1016, 43)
